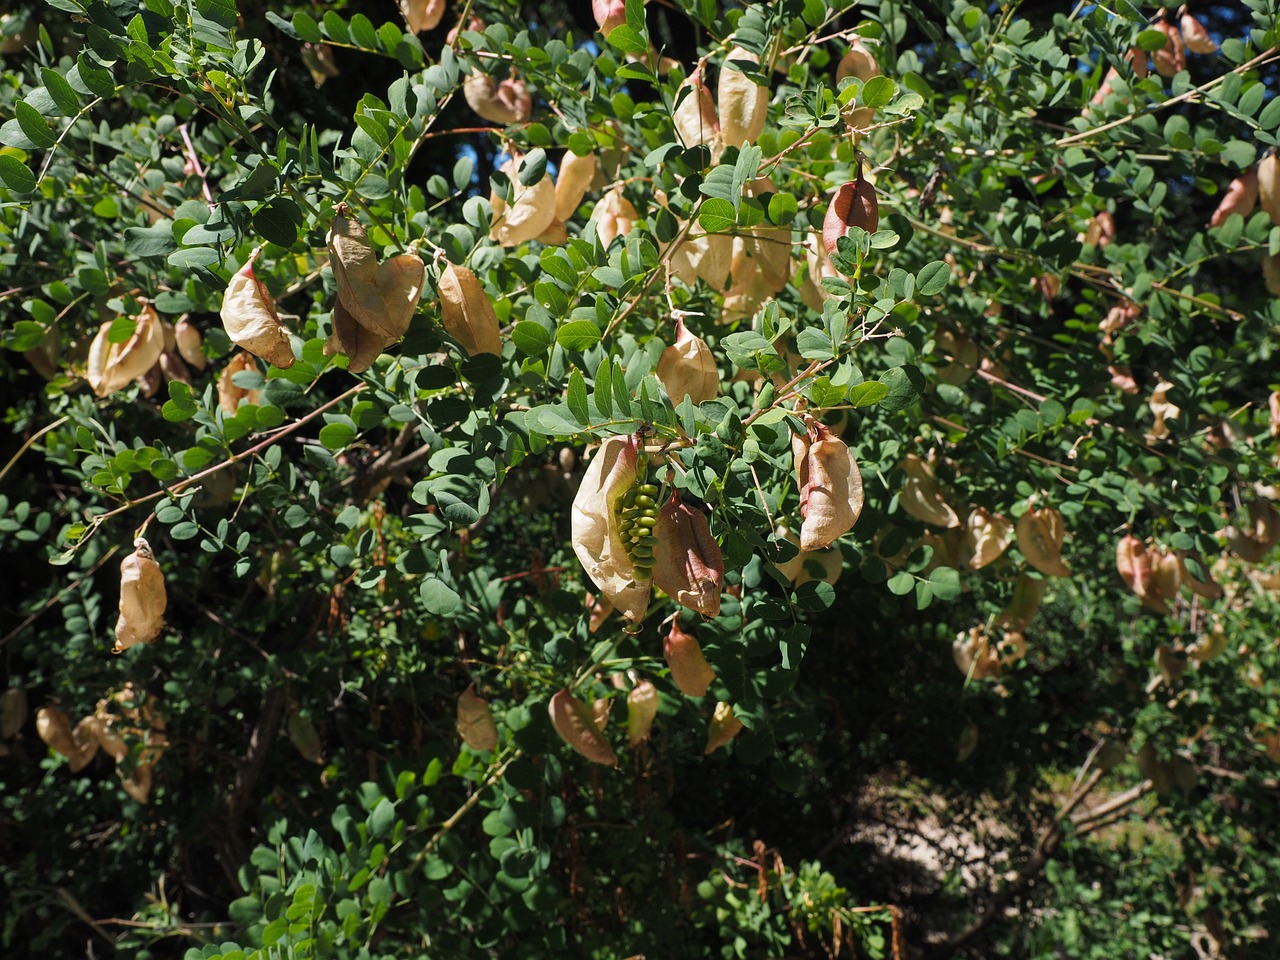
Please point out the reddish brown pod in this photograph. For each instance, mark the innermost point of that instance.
(830, 483)
(1241, 197)
(574, 721)
(690, 671)
(687, 564)
(854, 205)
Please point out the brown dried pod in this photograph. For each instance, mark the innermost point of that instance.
(1172, 57)
(723, 728)
(1163, 411)
(574, 178)
(1101, 229)
(705, 257)
(921, 496)
(112, 365)
(695, 114)
(1137, 57)
(13, 711)
(151, 381)
(85, 738)
(475, 721)
(382, 297)
(1133, 564)
(54, 728)
(614, 216)
(142, 598)
(190, 343)
(830, 485)
(360, 345)
(138, 784)
(531, 211)
(505, 102)
(230, 394)
(687, 564)
(1268, 175)
(422, 15)
(690, 671)
(597, 526)
(598, 610)
(600, 713)
(975, 655)
(467, 313)
(743, 104)
(1166, 577)
(986, 537)
(1253, 541)
(318, 59)
(251, 321)
(687, 368)
(1024, 604)
(769, 248)
(642, 710)
(1040, 534)
(575, 723)
(1195, 36)
(109, 738)
(854, 205)
(1241, 197)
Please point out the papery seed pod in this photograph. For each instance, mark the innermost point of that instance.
(467, 313)
(687, 564)
(695, 114)
(1209, 588)
(1195, 36)
(1166, 577)
(1172, 57)
(574, 178)
(231, 394)
(172, 368)
(422, 15)
(743, 104)
(150, 381)
(975, 655)
(769, 247)
(1101, 229)
(818, 267)
(1253, 541)
(854, 205)
(54, 727)
(614, 216)
(531, 211)
(575, 724)
(642, 710)
(305, 738)
(723, 728)
(1268, 173)
(857, 62)
(142, 598)
(690, 671)
(1241, 197)
(921, 496)
(498, 103)
(687, 368)
(609, 14)
(109, 738)
(1122, 377)
(986, 537)
(251, 321)
(1137, 57)
(830, 486)
(1163, 410)
(1040, 534)
(361, 345)
(1134, 564)
(1212, 643)
(1024, 604)
(1105, 88)
(13, 712)
(705, 257)
(475, 721)
(190, 343)
(85, 739)
(138, 784)
(112, 365)
(382, 297)
(318, 59)
(596, 526)
(600, 713)
(598, 610)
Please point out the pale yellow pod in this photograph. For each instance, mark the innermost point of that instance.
(475, 721)
(687, 368)
(54, 727)
(724, 727)
(251, 321)
(614, 216)
(642, 710)
(596, 526)
(705, 257)
(695, 115)
(467, 313)
(1269, 186)
(572, 182)
(742, 103)
(422, 15)
(142, 598)
(111, 366)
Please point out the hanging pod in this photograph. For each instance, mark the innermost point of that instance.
(830, 484)
(687, 563)
(467, 313)
(614, 216)
(576, 725)
(230, 393)
(921, 496)
(854, 205)
(422, 15)
(723, 728)
(142, 598)
(1040, 534)
(690, 671)
(251, 321)
(573, 179)
(382, 297)
(530, 212)
(986, 537)
(687, 368)
(111, 366)
(642, 710)
(695, 114)
(505, 102)
(742, 104)
(475, 721)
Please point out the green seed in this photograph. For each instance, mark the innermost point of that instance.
(630, 498)
(645, 502)
(641, 553)
(644, 573)
(648, 489)
(646, 521)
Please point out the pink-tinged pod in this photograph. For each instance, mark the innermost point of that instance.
(609, 14)
(854, 205)
(830, 486)
(687, 564)
(690, 671)
(1172, 57)
(597, 526)
(576, 725)
(382, 297)
(1241, 197)
(505, 102)
(687, 368)
(1195, 36)
(642, 710)
(251, 321)
(142, 598)
(422, 15)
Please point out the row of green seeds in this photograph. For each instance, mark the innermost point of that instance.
(639, 517)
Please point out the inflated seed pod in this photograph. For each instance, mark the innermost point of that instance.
(572, 182)
(361, 345)
(13, 712)
(142, 598)
(687, 563)
(854, 205)
(687, 368)
(597, 521)
(111, 366)
(742, 104)
(724, 727)
(475, 721)
(1268, 175)
(690, 671)
(695, 114)
(609, 14)
(614, 216)
(1025, 603)
(1040, 534)
(830, 485)
(382, 297)
(467, 313)
(921, 496)
(251, 321)
(1133, 564)
(422, 15)
(85, 738)
(705, 257)
(857, 62)
(54, 727)
(575, 723)
(642, 710)
(318, 59)
(986, 537)
(505, 102)
(1195, 36)
(190, 343)
(531, 211)
(231, 394)
(1172, 57)
(138, 784)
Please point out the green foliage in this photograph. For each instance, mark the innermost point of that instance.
(1041, 318)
